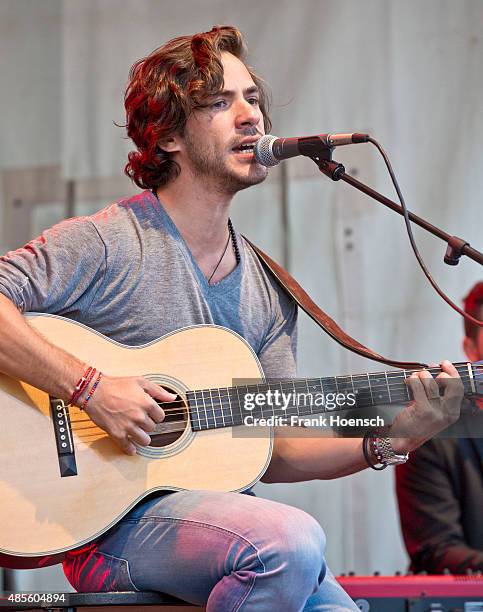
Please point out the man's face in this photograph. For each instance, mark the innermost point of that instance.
(213, 135)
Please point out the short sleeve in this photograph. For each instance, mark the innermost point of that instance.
(59, 272)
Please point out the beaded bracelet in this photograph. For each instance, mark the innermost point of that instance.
(91, 392)
(86, 385)
(80, 386)
(368, 438)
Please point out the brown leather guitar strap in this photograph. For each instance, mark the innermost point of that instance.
(321, 318)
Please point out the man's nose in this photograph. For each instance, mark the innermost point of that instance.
(247, 114)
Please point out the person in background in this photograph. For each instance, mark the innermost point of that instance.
(440, 488)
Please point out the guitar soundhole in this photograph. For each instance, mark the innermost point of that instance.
(174, 423)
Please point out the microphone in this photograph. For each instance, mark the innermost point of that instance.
(270, 150)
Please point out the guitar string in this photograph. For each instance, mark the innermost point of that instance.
(368, 384)
(374, 388)
(218, 420)
(221, 404)
(328, 381)
(400, 387)
(217, 410)
(379, 382)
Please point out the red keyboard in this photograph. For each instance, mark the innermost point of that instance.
(412, 586)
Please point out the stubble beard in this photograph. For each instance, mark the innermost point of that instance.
(210, 164)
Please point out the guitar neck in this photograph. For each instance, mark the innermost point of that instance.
(229, 406)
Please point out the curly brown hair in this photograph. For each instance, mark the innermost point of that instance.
(164, 88)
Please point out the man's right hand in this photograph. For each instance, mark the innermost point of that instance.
(126, 408)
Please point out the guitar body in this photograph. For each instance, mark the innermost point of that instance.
(44, 513)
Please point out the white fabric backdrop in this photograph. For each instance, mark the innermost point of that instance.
(409, 73)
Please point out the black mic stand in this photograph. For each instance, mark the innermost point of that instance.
(456, 247)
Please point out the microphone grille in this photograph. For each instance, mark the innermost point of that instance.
(263, 151)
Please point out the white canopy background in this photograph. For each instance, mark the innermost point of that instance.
(410, 73)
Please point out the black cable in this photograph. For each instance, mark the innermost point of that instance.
(413, 243)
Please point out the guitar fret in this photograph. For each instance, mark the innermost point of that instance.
(370, 388)
(308, 391)
(279, 410)
(303, 390)
(217, 407)
(229, 392)
(239, 402)
(194, 415)
(361, 392)
(198, 411)
(203, 412)
(352, 385)
(387, 384)
(225, 401)
(405, 386)
(472, 380)
(221, 408)
(379, 387)
(211, 405)
(295, 395)
(209, 423)
(241, 405)
(407, 374)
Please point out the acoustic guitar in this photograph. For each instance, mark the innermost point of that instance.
(64, 482)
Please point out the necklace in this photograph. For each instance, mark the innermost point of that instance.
(231, 234)
(232, 237)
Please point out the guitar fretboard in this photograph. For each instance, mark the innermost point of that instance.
(229, 406)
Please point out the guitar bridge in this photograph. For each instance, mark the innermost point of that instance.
(59, 412)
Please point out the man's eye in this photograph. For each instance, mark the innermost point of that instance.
(219, 104)
(254, 101)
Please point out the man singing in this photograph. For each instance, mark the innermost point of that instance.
(167, 258)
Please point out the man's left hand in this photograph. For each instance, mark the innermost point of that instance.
(430, 412)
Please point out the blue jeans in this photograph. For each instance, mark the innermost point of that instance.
(228, 551)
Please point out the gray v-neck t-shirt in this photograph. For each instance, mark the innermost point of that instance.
(127, 273)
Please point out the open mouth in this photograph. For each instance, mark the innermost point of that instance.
(245, 149)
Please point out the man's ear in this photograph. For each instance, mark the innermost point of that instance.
(171, 144)
(469, 346)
